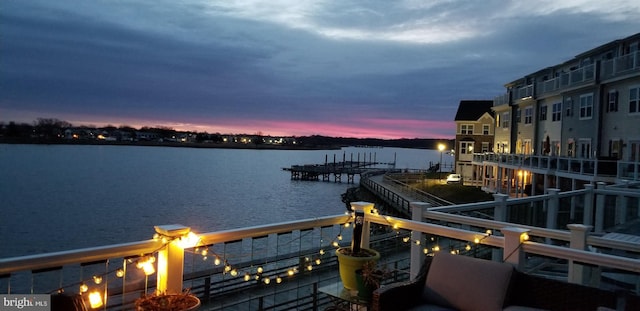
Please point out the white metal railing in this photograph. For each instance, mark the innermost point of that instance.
(506, 239)
(581, 166)
(622, 65)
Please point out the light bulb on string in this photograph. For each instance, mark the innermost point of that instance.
(278, 280)
(120, 273)
(247, 276)
(234, 272)
(318, 261)
(335, 244)
(83, 288)
(97, 279)
(260, 269)
(468, 247)
(321, 251)
(217, 261)
(290, 272)
(339, 237)
(266, 280)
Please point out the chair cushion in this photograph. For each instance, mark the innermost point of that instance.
(466, 283)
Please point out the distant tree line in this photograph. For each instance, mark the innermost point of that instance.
(51, 130)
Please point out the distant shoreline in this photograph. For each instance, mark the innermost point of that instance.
(166, 144)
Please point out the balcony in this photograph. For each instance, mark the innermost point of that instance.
(282, 266)
(621, 66)
(568, 80)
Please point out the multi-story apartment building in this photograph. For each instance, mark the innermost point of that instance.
(474, 133)
(568, 125)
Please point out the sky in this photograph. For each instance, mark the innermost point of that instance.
(368, 69)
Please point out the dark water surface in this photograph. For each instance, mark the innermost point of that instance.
(59, 197)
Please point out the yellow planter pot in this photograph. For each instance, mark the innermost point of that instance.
(348, 264)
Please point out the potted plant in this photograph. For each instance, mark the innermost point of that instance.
(369, 278)
(354, 257)
(184, 301)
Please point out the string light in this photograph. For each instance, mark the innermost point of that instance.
(120, 273)
(95, 299)
(97, 279)
(83, 288)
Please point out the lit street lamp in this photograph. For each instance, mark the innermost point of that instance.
(441, 148)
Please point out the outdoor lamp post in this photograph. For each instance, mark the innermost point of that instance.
(441, 148)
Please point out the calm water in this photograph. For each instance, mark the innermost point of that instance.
(64, 197)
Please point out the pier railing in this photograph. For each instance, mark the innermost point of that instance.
(281, 266)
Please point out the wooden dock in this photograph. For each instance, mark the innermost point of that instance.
(313, 172)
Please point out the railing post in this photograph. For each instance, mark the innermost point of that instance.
(365, 208)
(552, 208)
(512, 252)
(500, 210)
(579, 273)
(171, 259)
(587, 218)
(417, 255)
(621, 207)
(600, 204)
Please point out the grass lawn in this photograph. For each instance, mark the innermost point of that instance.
(455, 193)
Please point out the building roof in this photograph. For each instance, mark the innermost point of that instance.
(472, 110)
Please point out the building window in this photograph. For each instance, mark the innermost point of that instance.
(485, 129)
(614, 148)
(528, 115)
(634, 100)
(612, 101)
(466, 147)
(485, 147)
(466, 129)
(568, 107)
(556, 114)
(505, 120)
(543, 113)
(586, 106)
(518, 115)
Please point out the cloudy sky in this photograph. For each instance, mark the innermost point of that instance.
(384, 69)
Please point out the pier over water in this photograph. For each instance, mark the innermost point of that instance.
(313, 172)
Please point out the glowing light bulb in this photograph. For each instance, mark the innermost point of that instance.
(278, 280)
(468, 247)
(95, 299)
(247, 276)
(489, 232)
(148, 268)
(436, 248)
(260, 270)
(335, 244)
(417, 242)
(318, 261)
(476, 240)
(266, 280)
(322, 252)
(84, 288)
(405, 239)
(216, 261)
(290, 272)
(97, 279)
(120, 273)
(234, 272)
(425, 250)
(309, 267)
(524, 236)
(395, 226)
(227, 268)
(340, 237)
(204, 252)
(347, 225)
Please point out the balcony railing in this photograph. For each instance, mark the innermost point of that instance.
(230, 269)
(573, 78)
(586, 167)
(620, 66)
